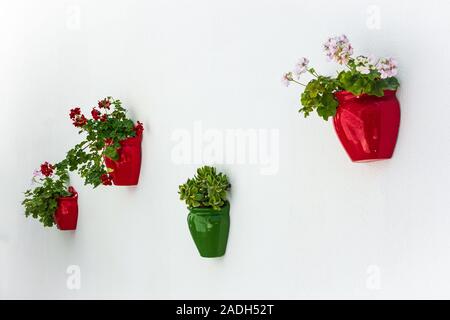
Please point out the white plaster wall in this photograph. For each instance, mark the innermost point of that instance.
(321, 227)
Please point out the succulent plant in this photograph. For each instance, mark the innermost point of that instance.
(208, 189)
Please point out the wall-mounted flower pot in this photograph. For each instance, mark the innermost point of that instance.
(126, 170)
(367, 126)
(66, 214)
(209, 229)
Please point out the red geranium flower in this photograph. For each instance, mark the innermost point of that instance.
(95, 114)
(105, 103)
(104, 117)
(108, 141)
(106, 179)
(47, 169)
(80, 121)
(74, 112)
(139, 128)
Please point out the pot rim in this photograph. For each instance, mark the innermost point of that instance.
(210, 210)
(344, 94)
(71, 197)
(131, 140)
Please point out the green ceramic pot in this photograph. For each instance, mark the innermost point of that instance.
(209, 229)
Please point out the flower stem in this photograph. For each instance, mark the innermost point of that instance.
(298, 82)
(313, 72)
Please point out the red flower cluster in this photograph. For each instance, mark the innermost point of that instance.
(139, 128)
(78, 119)
(106, 179)
(95, 114)
(105, 103)
(47, 169)
(74, 113)
(72, 190)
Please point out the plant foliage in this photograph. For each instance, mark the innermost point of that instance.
(41, 202)
(363, 75)
(102, 136)
(103, 133)
(208, 189)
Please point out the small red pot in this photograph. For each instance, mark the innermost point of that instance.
(367, 126)
(66, 214)
(126, 170)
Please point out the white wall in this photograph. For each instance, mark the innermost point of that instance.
(321, 227)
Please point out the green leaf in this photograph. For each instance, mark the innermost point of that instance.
(111, 153)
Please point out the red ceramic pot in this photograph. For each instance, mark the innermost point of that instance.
(66, 214)
(126, 170)
(367, 126)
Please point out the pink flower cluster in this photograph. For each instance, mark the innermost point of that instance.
(387, 67)
(300, 68)
(338, 49)
(364, 64)
(286, 79)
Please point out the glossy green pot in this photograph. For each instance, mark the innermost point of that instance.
(209, 229)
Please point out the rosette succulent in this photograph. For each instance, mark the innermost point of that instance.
(208, 189)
